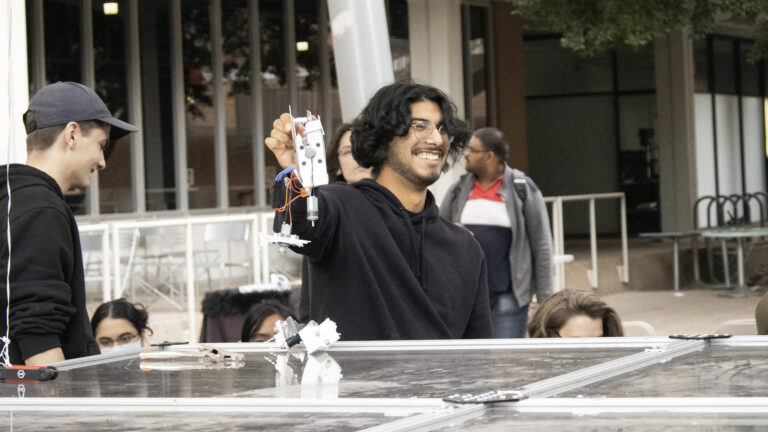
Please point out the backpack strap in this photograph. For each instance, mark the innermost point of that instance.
(521, 186)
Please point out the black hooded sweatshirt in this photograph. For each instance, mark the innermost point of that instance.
(381, 272)
(47, 278)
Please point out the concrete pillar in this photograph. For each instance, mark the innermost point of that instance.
(436, 59)
(435, 42)
(14, 85)
(510, 82)
(361, 52)
(676, 135)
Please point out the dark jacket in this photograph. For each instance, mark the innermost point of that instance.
(381, 272)
(530, 257)
(47, 280)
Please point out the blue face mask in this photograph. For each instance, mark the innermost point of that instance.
(127, 348)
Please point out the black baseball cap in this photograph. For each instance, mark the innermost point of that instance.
(64, 102)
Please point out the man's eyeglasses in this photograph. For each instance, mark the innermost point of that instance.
(124, 339)
(423, 129)
(474, 150)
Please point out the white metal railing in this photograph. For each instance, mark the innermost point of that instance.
(559, 236)
(261, 221)
(112, 283)
(106, 270)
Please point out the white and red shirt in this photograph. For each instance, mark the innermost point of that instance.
(485, 214)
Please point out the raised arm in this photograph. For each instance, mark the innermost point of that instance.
(280, 141)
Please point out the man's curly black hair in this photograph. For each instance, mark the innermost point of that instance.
(388, 114)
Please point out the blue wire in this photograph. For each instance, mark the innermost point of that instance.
(284, 172)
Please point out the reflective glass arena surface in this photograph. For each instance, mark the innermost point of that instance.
(718, 370)
(563, 384)
(192, 421)
(364, 374)
(504, 419)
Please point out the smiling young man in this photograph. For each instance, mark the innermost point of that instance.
(383, 264)
(68, 128)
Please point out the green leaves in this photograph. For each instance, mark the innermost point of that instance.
(592, 26)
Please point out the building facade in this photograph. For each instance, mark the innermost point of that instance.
(203, 80)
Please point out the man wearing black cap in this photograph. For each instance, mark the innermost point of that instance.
(68, 131)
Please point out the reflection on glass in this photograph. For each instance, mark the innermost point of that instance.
(499, 417)
(701, 65)
(635, 68)
(198, 76)
(725, 70)
(716, 371)
(154, 34)
(551, 69)
(320, 375)
(639, 161)
(308, 64)
(237, 71)
(478, 66)
(62, 61)
(31, 48)
(750, 71)
(398, 39)
(62, 40)
(109, 42)
(273, 81)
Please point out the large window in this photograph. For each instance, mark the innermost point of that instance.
(110, 71)
(182, 71)
(730, 111)
(199, 103)
(477, 65)
(595, 119)
(157, 128)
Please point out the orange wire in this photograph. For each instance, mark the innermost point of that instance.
(288, 201)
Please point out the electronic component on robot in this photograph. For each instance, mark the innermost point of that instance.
(314, 336)
(313, 213)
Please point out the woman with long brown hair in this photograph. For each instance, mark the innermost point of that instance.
(574, 313)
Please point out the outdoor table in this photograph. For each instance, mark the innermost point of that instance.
(738, 233)
(676, 236)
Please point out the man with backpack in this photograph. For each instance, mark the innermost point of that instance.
(506, 212)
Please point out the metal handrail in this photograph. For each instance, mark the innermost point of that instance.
(260, 222)
(111, 252)
(558, 235)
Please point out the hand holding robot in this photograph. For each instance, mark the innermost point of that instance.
(297, 143)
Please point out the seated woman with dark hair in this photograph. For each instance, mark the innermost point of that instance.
(574, 313)
(120, 325)
(260, 321)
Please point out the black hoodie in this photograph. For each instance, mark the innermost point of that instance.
(47, 280)
(382, 272)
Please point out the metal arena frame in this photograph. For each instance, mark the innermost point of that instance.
(546, 384)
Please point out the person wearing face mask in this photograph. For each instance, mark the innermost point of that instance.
(574, 313)
(120, 326)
